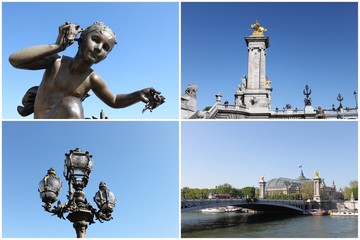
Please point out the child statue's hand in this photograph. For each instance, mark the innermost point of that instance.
(152, 98)
(67, 34)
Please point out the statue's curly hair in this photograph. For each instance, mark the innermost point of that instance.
(97, 26)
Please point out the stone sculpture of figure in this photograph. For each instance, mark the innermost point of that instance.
(259, 30)
(67, 81)
(253, 101)
(320, 113)
(243, 83)
(191, 90)
(316, 174)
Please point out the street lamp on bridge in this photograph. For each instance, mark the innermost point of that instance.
(77, 169)
(340, 99)
(355, 95)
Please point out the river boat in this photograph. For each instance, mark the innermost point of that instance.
(213, 210)
(317, 212)
(233, 209)
(343, 213)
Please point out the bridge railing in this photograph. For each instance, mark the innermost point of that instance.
(208, 203)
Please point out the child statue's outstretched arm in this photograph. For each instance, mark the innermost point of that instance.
(40, 57)
(120, 100)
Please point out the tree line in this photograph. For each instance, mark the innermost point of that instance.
(203, 193)
(306, 191)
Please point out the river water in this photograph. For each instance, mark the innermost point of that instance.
(250, 225)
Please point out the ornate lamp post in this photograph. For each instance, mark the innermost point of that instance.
(78, 166)
(340, 99)
(355, 95)
(307, 93)
(218, 97)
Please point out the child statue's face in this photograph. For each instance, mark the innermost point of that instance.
(96, 45)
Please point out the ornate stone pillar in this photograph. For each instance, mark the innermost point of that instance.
(352, 201)
(256, 61)
(317, 183)
(262, 192)
(258, 92)
(255, 95)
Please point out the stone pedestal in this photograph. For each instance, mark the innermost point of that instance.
(188, 106)
(309, 110)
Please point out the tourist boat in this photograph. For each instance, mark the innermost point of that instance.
(213, 210)
(233, 209)
(343, 213)
(317, 212)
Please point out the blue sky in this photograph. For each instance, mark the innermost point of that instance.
(310, 43)
(138, 161)
(215, 153)
(147, 53)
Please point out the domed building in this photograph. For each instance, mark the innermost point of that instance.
(285, 185)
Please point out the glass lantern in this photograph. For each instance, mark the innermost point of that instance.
(105, 199)
(49, 187)
(78, 166)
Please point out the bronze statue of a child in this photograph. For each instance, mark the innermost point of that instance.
(67, 81)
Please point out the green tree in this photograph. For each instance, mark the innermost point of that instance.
(248, 192)
(307, 190)
(237, 193)
(224, 189)
(205, 193)
(184, 192)
(352, 188)
(353, 184)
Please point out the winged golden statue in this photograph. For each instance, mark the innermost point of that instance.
(259, 30)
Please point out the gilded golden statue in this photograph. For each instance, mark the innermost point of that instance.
(267, 82)
(259, 30)
(262, 178)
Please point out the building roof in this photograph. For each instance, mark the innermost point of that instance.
(282, 183)
(277, 183)
(302, 178)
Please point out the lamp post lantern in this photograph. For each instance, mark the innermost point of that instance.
(77, 169)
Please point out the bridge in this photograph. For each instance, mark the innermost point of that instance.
(261, 205)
